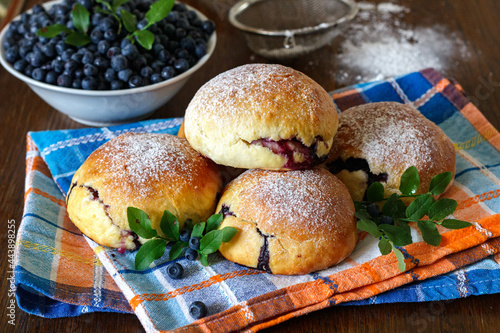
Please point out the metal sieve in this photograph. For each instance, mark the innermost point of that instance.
(281, 29)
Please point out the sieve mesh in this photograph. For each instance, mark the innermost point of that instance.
(289, 28)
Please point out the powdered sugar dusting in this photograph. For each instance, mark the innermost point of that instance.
(301, 200)
(379, 45)
(383, 133)
(137, 163)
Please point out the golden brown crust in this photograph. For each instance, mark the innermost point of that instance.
(259, 101)
(152, 172)
(391, 137)
(303, 219)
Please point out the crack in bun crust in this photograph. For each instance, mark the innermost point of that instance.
(152, 172)
(255, 102)
(292, 222)
(390, 137)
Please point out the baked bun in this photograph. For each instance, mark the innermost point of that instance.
(152, 172)
(379, 141)
(262, 116)
(292, 222)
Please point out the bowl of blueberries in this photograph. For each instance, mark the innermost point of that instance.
(107, 62)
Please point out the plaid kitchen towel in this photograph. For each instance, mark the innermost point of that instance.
(53, 260)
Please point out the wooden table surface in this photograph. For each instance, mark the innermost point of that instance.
(473, 25)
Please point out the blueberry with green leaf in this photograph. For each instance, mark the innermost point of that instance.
(390, 224)
(198, 240)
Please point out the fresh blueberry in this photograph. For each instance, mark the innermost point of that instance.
(78, 73)
(208, 26)
(188, 43)
(191, 254)
(179, 7)
(180, 33)
(64, 81)
(198, 310)
(135, 81)
(182, 53)
(113, 51)
(175, 271)
(48, 50)
(28, 70)
(184, 235)
(110, 35)
(116, 85)
(66, 55)
(181, 65)
(172, 17)
(101, 62)
(38, 9)
(61, 46)
(386, 220)
(125, 74)
(146, 72)
(103, 46)
(125, 42)
(183, 24)
(110, 75)
(167, 72)
(155, 78)
(87, 58)
(96, 35)
(58, 65)
(90, 70)
(70, 66)
(38, 74)
(140, 62)
(86, 3)
(163, 55)
(157, 66)
(51, 77)
(130, 51)
(106, 23)
(373, 209)
(142, 24)
(77, 57)
(89, 83)
(77, 84)
(12, 54)
(194, 243)
(96, 18)
(20, 65)
(200, 50)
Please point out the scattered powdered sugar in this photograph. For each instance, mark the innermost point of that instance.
(300, 200)
(138, 164)
(378, 44)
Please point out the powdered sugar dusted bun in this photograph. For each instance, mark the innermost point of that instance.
(292, 222)
(152, 172)
(262, 116)
(379, 141)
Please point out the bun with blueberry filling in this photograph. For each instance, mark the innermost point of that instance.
(262, 116)
(377, 142)
(293, 222)
(152, 172)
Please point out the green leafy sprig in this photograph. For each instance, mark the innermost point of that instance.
(211, 237)
(80, 17)
(391, 224)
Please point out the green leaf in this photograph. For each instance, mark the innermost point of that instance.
(150, 251)
(384, 246)
(370, 227)
(214, 222)
(441, 209)
(204, 259)
(198, 229)
(455, 224)
(375, 192)
(140, 223)
(52, 30)
(77, 38)
(401, 259)
(228, 233)
(394, 207)
(176, 250)
(211, 242)
(129, 20)
(169, 225)
(440, 182)
(409, 181)
(429, 232)
(145, 38)
(81, 18)
(399, 235)
(158, 11)
(118, 3)
(105, 3)
(362, 214)
(419, 207)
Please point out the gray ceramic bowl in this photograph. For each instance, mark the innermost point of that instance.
(108, 107)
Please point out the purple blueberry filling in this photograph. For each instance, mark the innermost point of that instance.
(357, 164)
(263, 261)
(226, 211)
(288, 147)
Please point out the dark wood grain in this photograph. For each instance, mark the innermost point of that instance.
(476, 23)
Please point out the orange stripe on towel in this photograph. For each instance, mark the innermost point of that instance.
(34, 190)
